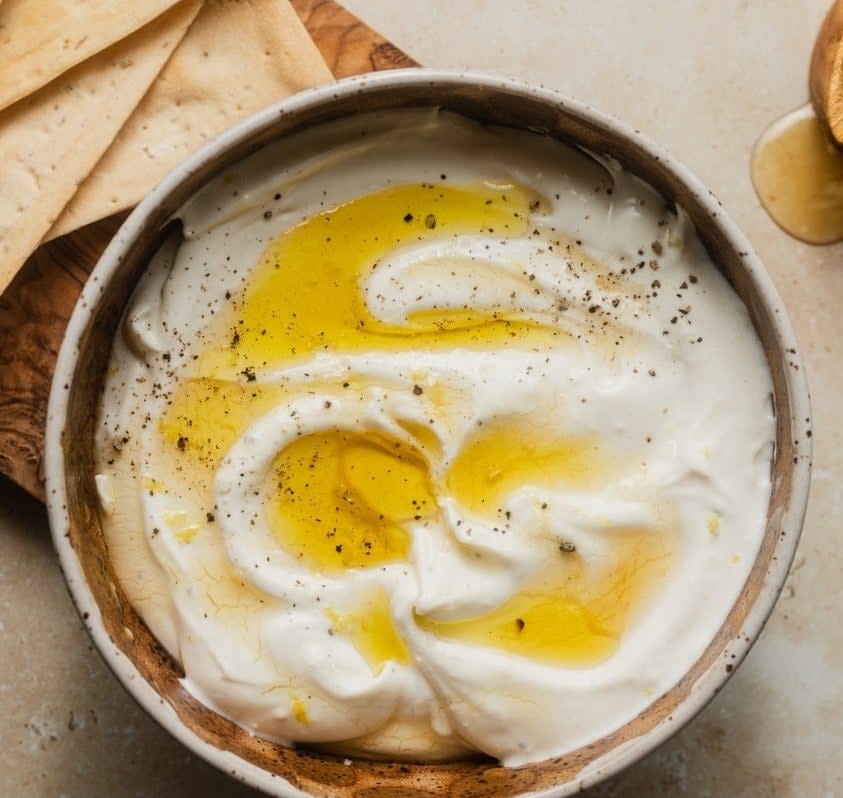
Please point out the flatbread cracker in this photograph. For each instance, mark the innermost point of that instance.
(50, 141)
(213, 80)
(41, 39)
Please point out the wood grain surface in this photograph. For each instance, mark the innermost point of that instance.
(826, 73)
(35, 308)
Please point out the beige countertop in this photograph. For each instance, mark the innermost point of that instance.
(703, 79)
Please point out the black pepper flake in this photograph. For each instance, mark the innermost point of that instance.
(418, 390)
(338, 548)
(567, 547)
(520, 623)
(209, 517)
(249, 373)
(267, 215)
(657, 247)
(692, 278)
(408, 217)
(181, 443)
(430, 221)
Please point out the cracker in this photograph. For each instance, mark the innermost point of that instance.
(41, 39)
(50, 140)
(213, 80)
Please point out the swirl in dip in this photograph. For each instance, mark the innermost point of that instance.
(425, 437)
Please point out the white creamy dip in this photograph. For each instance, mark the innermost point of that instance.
(428, 437)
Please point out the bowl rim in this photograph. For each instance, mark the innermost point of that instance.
(708, 684)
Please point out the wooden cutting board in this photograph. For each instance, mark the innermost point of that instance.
(36, 307)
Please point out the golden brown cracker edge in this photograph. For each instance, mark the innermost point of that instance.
(42, 39)
(50, 140)
(214, 79)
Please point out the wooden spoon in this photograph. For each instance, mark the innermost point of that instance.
(797, 164)
(826, 73)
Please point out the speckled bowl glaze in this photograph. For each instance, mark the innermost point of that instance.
(151, 675)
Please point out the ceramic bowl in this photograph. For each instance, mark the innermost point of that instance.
(152, 676)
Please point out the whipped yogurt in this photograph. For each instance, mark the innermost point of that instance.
(423, 437)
